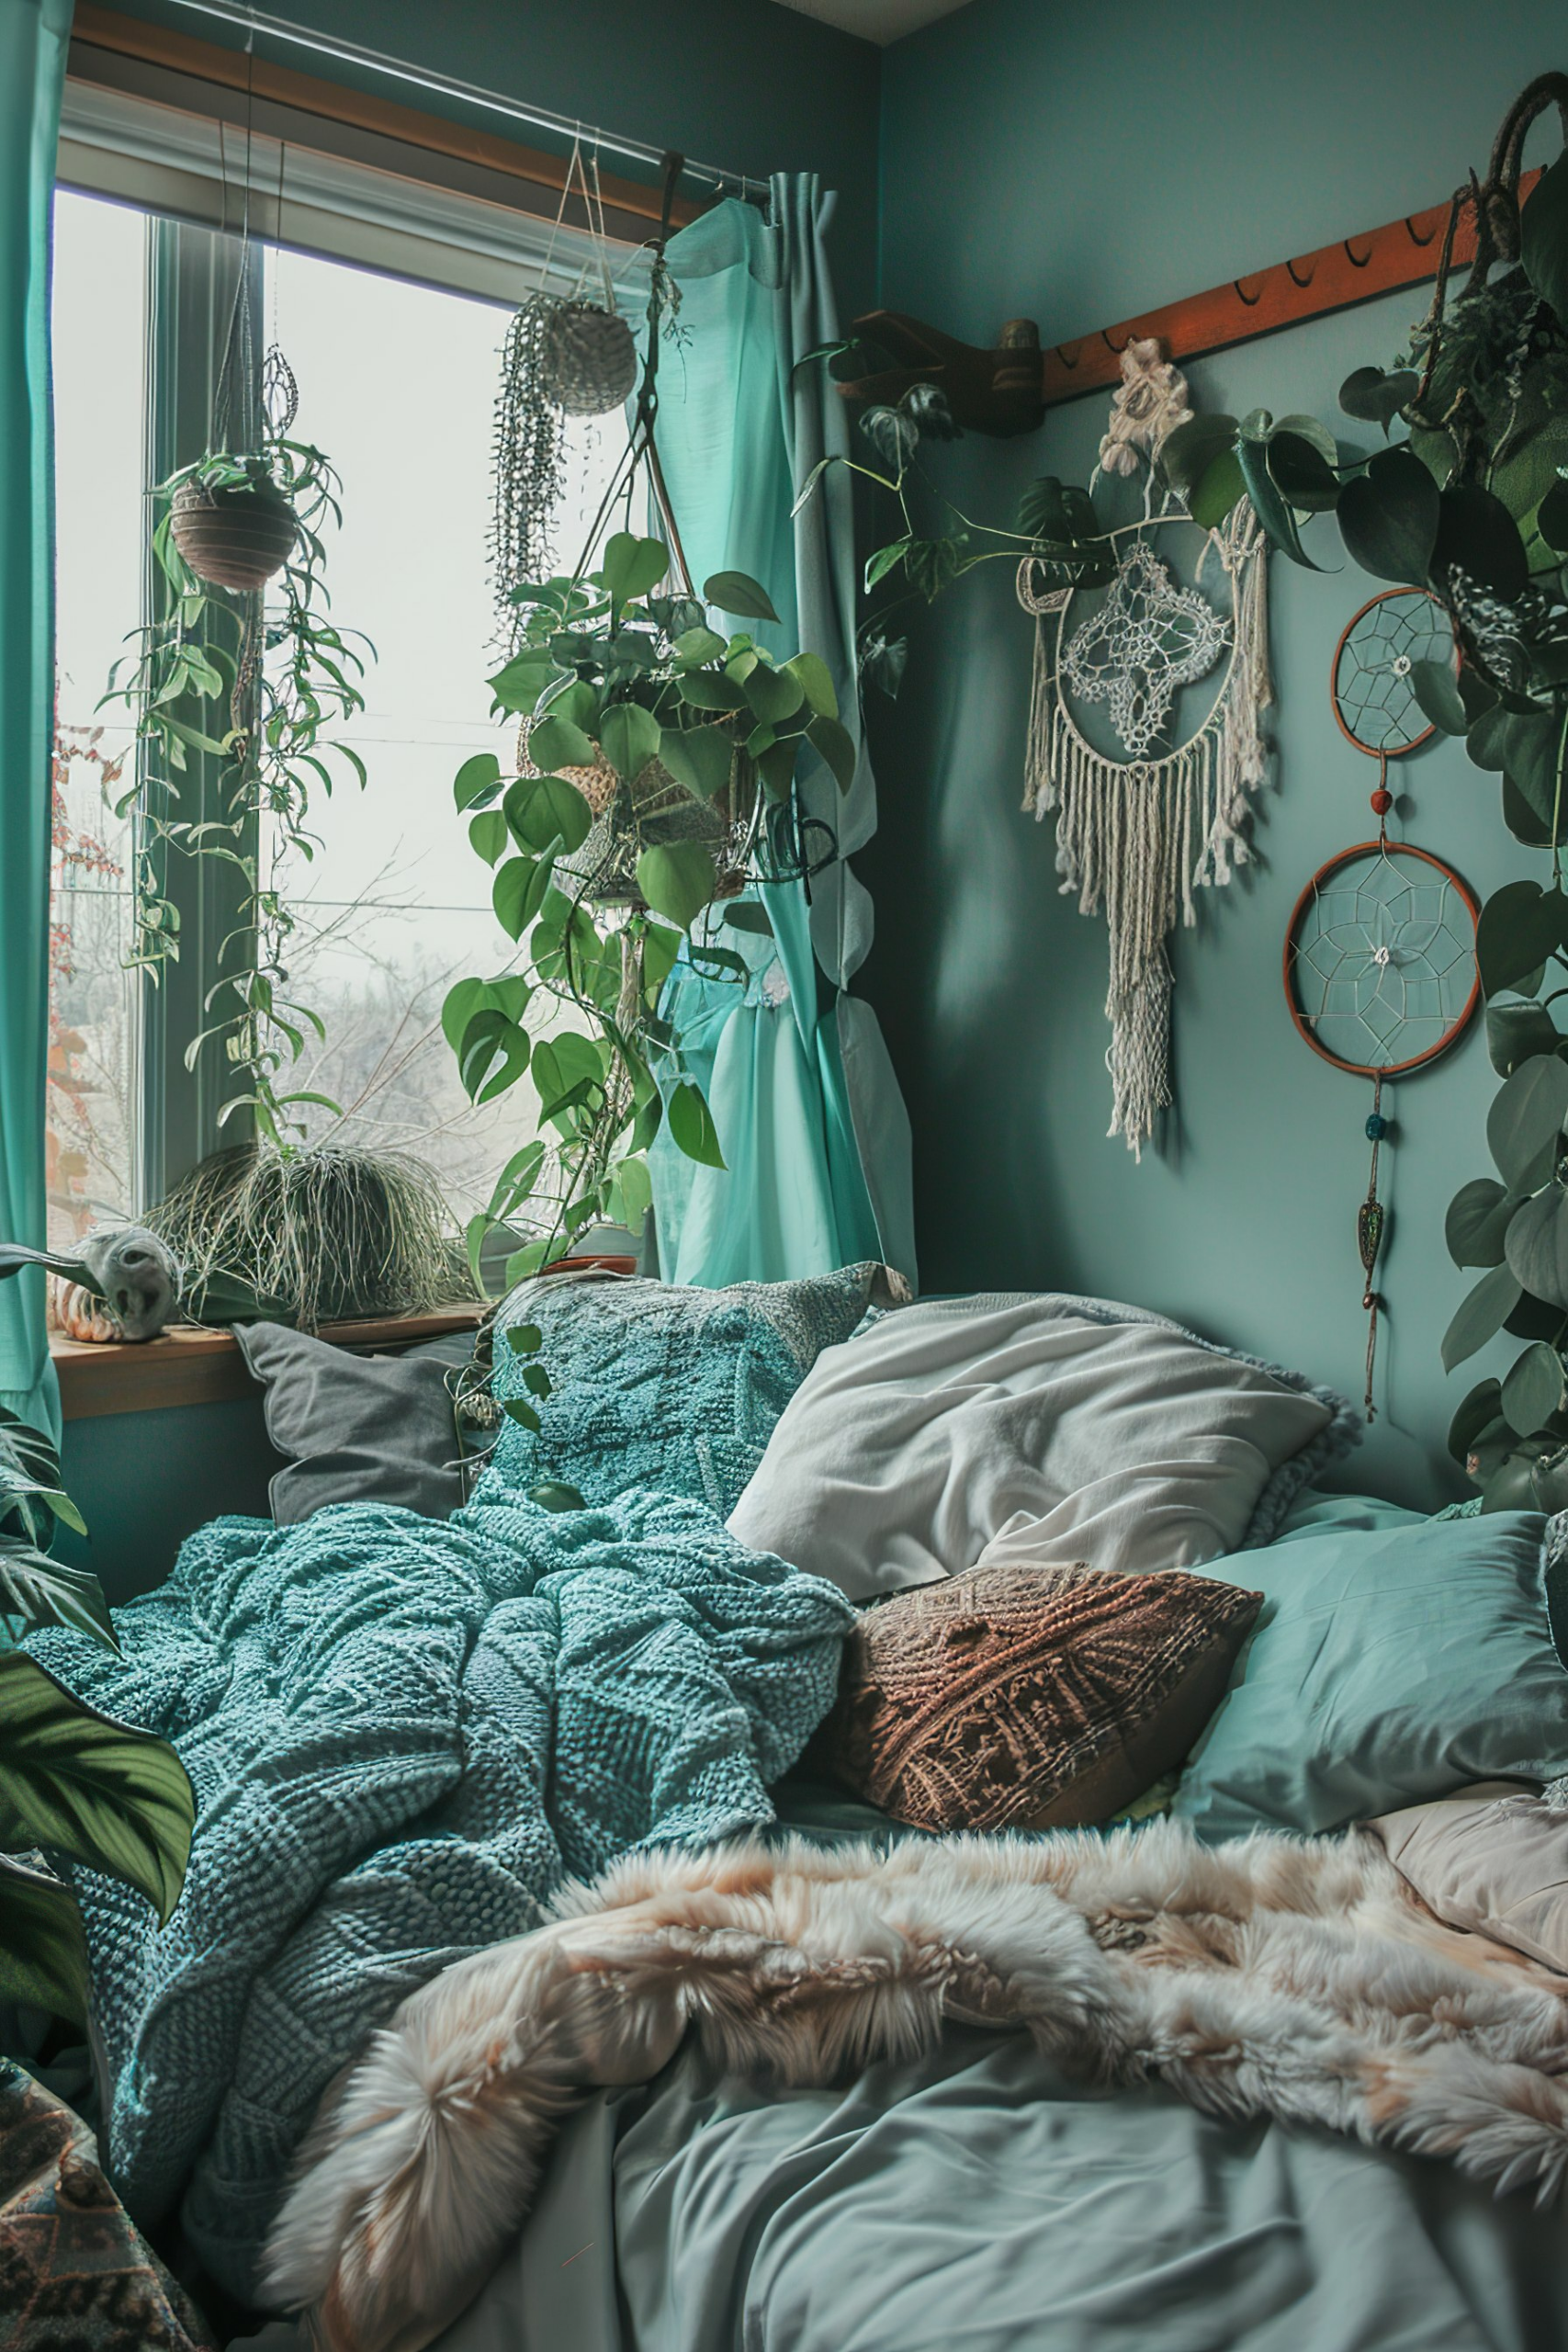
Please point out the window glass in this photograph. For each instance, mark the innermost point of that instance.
(397, 386)
(99, 418)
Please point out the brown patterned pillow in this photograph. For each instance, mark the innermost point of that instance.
(1030, 1698)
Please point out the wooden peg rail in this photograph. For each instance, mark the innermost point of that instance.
(1008, 389)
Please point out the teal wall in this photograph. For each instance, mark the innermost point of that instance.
(1078, 166)
(143, 1481)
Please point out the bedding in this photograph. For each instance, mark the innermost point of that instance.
(1274, 1976)
(1031, 1698)
(1493, 1857)
(1388, 1666)
(403, 1734)
(663, 1385)
(1031, 1429)
(377, 1429)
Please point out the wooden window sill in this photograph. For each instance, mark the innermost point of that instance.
(197, 1367)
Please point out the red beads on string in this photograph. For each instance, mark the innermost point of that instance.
(1383, 801)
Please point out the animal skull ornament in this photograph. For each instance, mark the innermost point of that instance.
(136, 1277)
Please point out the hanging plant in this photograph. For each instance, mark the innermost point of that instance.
(260, 687)
(562, 357)
(658, 771)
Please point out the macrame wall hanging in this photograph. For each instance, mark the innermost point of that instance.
(1141, 834)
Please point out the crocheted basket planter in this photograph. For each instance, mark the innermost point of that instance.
(588, 358)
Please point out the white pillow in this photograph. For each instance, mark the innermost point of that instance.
(970, 1433)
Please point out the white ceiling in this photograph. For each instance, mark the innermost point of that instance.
(878, 20)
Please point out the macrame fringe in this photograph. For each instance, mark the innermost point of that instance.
(1141, 837)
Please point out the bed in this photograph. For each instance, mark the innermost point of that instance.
(979, 2194)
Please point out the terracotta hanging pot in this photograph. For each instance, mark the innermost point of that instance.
(237, 537)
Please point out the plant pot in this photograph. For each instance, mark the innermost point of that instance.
(236, 538)
(665, 813)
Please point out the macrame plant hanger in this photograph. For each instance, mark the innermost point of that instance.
(1140, 835)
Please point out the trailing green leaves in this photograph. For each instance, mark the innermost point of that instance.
(677, 880)
(75, 1783)
(691, 1124)
(1389, 516)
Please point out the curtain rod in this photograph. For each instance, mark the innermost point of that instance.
(345, 52)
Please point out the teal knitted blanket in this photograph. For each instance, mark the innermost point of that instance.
(403, 1734)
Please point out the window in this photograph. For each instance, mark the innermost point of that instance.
(398, 383)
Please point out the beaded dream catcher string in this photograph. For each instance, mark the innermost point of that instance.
(1380, 964)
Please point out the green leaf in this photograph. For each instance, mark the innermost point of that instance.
(460, 1002)
(1476, 531)
(630, 737)
(1537, 1245)
(43, 1947)
(774, 694)
(882, 561)
(691, 1124)
(1479, 1408)
(712, 690)
(1520, 925)
(491, 1055)
(552, 1494)
(1481, 1315)
(699, 758)
(816, 683)
(1273, 510)
(1477, 1221)
(738, 592)
(1525, 1120)
(544, 810)
(518, 892)
(677, 880)
(517, 1409)
(1060, 514)
(833, 744)
(1374, 398)
(74, 1782)
(1515, 1032)
(475, 779)
(556, 743)
(1543, 238)
(1551, 515)
(636, 1188)
(1388, 518)
(487, 835)
(1531, 743)
(776, 765)
(536, 1380)
(1485, 741)
(1435, 688)
(42, 1591)
(697, 645)
(526, 1339)
(524, 680)
(631, 566)
(1302, 474)
(1221, 486)
(1533, 1390)
(1186, 455)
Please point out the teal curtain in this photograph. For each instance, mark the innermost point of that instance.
(807, 1109)
(33, 36)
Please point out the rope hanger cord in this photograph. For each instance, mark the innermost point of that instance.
(252, 21)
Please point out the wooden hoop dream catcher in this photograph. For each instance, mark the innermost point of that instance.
(1380, 964)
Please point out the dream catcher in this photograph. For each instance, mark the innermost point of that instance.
(1381, 973)
(1143, 832)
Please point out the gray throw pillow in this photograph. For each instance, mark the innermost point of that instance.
(358, 1429)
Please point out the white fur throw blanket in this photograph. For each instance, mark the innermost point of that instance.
(1266, 1977)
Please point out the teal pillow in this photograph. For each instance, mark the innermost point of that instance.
(1388, 1666)
(665, 1384)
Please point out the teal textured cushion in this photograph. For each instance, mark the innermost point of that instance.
(664, 1384)
(1388, 1666)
